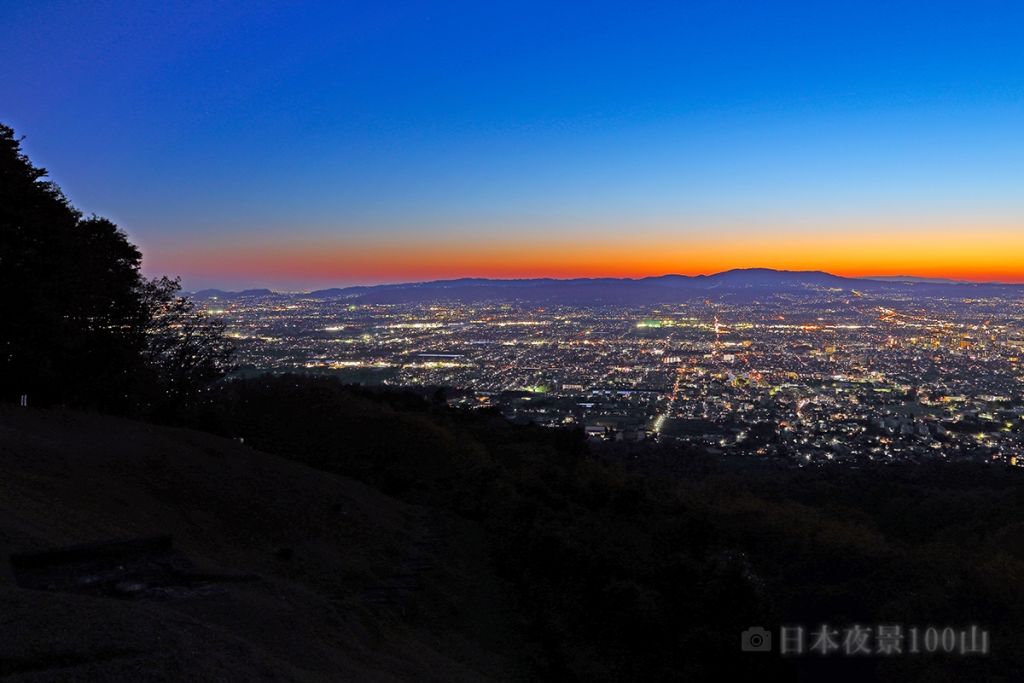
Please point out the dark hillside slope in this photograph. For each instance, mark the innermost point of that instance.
(331, 579)
(625, 562)
(645, 562)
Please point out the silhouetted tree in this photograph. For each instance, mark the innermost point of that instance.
(78, 323)
(73, 321)
(186, 348)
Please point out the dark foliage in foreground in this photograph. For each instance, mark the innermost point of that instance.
(626, 568)
(79, 325)
(72, 325)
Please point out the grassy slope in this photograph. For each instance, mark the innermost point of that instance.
(342, 607)
(617, 575)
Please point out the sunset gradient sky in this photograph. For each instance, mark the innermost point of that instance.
(299, 145)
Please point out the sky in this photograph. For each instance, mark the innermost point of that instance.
(300, 145)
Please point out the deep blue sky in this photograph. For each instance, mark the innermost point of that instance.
(244, 125)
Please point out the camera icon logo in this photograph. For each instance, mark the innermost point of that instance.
(756, 639)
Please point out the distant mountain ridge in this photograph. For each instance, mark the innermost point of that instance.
(740, 283)
(915, 278)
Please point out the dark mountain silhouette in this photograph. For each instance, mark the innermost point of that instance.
(915, 278)
(767, 277)
(737, 284)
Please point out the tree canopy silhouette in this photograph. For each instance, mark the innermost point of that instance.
(78, 319)
(186, 348)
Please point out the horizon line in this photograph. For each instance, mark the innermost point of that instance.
(924, 279)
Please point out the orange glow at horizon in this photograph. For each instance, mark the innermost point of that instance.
(979, 254)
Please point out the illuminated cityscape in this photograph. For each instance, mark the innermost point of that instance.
(836, 376)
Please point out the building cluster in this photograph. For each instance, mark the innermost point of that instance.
(834, 377)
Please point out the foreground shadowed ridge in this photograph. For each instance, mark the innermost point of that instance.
(297, 574)
(646, 562)
(489, 550)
